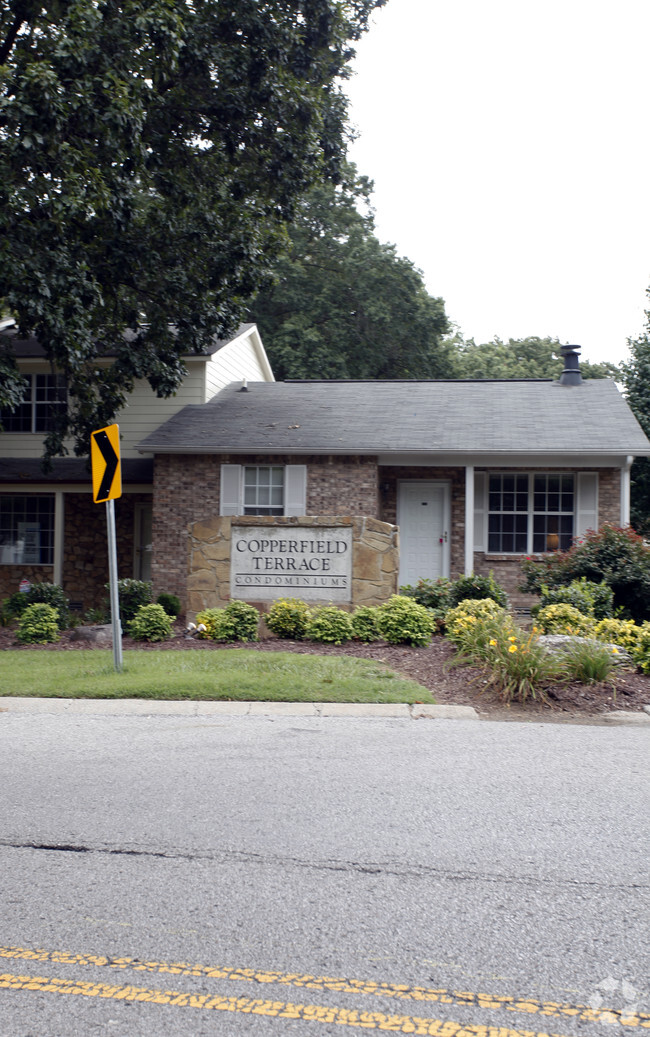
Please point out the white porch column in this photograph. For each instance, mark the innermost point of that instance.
(59, 516)
(625, 491)
(469, 519)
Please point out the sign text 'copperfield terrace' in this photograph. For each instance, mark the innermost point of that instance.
(314, 564)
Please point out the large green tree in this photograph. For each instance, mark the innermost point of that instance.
(345, 305)
(636, 379)
(531, 357)
(151, 155)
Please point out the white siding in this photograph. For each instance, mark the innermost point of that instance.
(239, 359)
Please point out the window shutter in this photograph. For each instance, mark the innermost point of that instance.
(480, 510)
(231, 503)
(586, 503)
(295, 489)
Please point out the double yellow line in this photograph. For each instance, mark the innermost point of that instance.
(394, 1023)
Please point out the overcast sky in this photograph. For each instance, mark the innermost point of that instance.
(509, 143)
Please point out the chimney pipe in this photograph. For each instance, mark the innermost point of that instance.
(571, 373)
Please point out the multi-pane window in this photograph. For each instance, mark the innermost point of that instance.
(27, 529)
(530, 513)
(45, 396)
(264, 490)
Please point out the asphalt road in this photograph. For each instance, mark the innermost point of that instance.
(312, 876)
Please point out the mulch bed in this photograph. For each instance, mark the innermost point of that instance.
(431, 667)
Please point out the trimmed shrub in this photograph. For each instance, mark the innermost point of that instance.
(400, 620)
(364, 623)
(476, 587)
(623, 632)
(641, 650)
(618, 556)
(150, 623)
(459, 619)
(237, 622)
(39, 593)
(171, 604)
(288, 618)
(592, 599)
(433, 594)
(329, 625)
(131, 595)
(564, 619)
(215, 623)
(38, 625)
(241, 620)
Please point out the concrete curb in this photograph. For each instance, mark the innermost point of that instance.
(150, 707)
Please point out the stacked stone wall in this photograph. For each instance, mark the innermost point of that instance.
(375, 557)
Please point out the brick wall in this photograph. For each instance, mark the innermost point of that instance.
(342, 486)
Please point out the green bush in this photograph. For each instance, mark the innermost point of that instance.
(39, 593)
(171, 604)
(592, 599)
(564, 619)
(364, 623)
(242, 621)
(623, 632)
(215, 623)
(288, 618)
(400, 620)
(329, 625)
(150, 623)
(237, 622)
(587, 662)
(475, 586)
(618, 556)
(458, 620)
(641, 650)
(38, 624)
(433, 594)
(131, 595)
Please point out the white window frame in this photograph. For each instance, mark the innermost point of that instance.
(232, 489)
(10, 553)
(530, 512)
(53, 383)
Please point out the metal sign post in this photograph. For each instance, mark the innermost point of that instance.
(112, 575)
(107, 485)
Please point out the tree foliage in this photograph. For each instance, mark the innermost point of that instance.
(531, 357)
(151, 154)
(345, 305)
(636, 379)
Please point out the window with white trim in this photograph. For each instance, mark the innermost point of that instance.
(45, 396)
(264, 490)
(530, 513)
(27, 529)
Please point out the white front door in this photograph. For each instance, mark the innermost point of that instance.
(424, 518)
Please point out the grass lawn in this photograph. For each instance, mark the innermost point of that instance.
(236, 675)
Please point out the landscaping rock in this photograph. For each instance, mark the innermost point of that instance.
(94, 635)
(558, 643)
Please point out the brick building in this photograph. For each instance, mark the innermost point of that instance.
(476, 474)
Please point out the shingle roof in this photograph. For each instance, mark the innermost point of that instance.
(381, 417)
(31, 348)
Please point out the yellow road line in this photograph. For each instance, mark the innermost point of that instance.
(398, 992)
(254, 1006)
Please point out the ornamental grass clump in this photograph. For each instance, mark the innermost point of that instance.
(39, 625)
(288, 618)
(329, 625)
(150, 623)
(401, 621)
(564, 619)
(588, 662)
